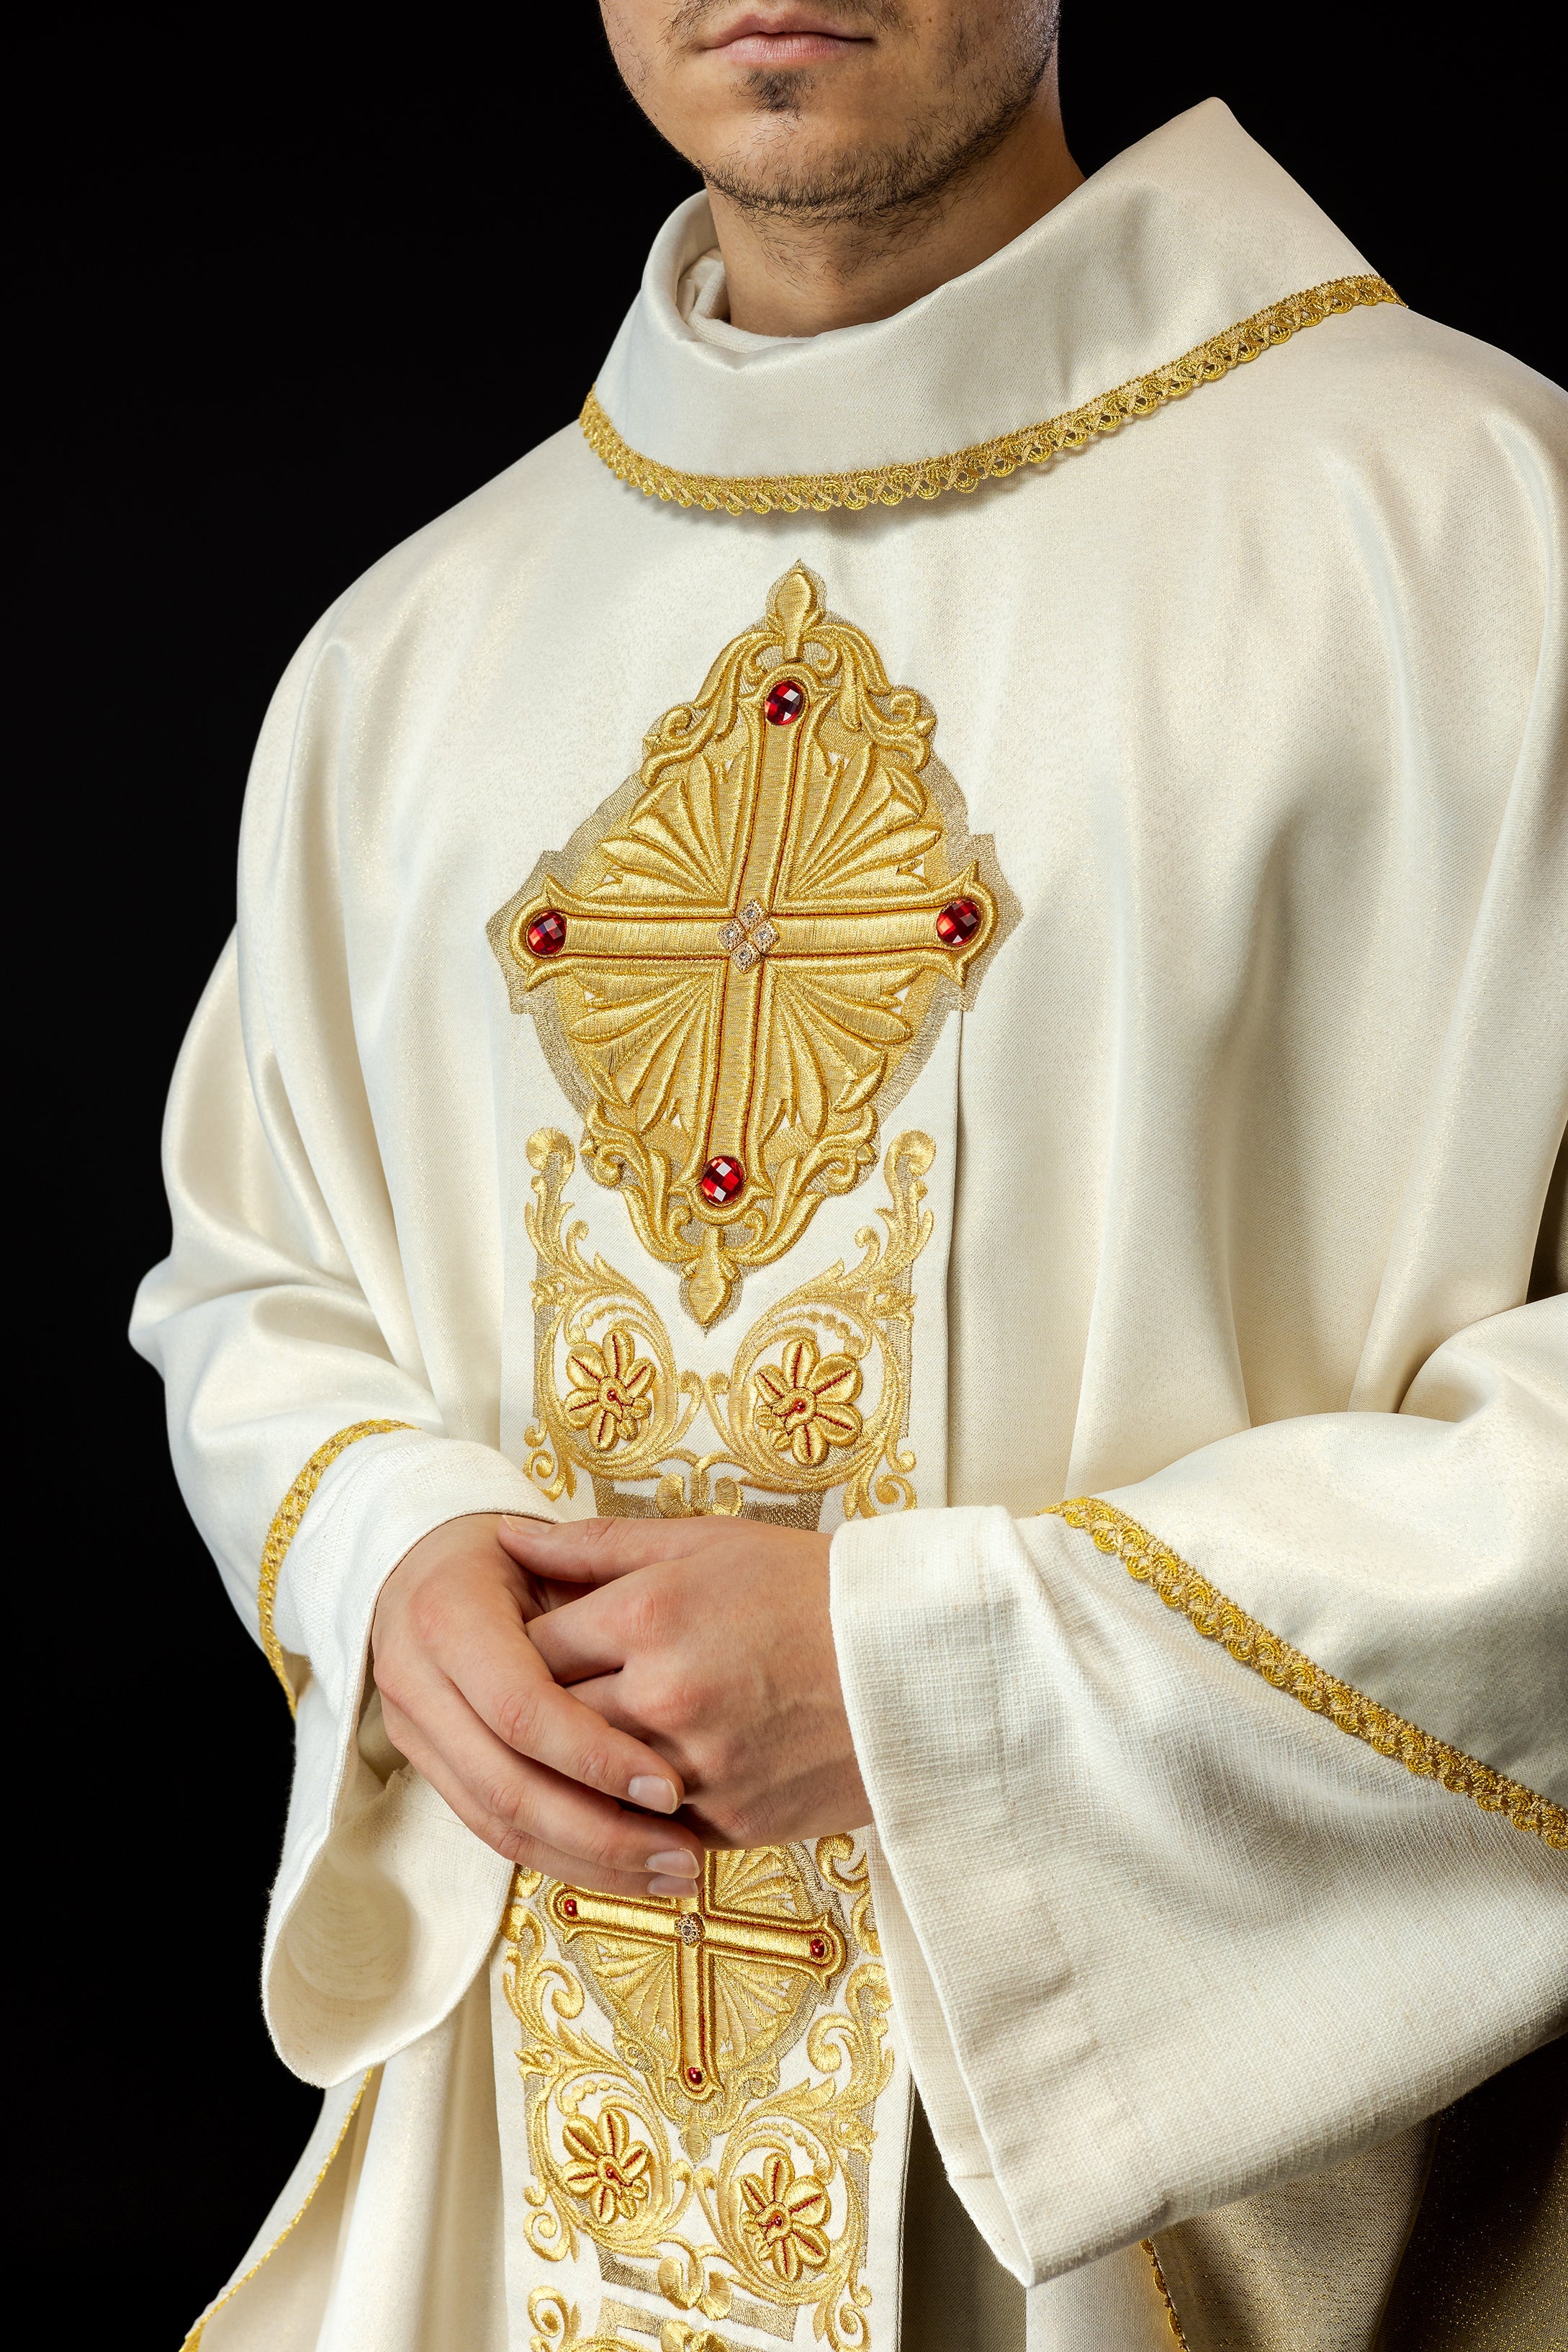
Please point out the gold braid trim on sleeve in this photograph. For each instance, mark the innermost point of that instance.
(1144, 1557)
(285, 1527)
(983, 461)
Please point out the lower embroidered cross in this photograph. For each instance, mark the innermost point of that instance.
(704, 1968)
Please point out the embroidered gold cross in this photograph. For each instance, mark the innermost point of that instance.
(706, 1945)
(737, 967)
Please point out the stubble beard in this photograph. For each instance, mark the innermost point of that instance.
(888, 192)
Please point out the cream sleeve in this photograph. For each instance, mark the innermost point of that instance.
(1167, 1918)
(308, 1436)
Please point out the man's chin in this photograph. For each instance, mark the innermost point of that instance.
(808, 170)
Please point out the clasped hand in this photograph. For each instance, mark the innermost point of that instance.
(559, 1685)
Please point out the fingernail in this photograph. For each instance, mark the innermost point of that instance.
(655, 1796)
(679, 1864)
(669, 1887)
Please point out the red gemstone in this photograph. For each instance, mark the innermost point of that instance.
(546, 935)
(819, 1947)
(568, 1905)
(785, 703)
(694, 2074)
(959, 922)
(722, 1178)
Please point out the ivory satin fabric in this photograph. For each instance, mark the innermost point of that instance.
(1242, 1155)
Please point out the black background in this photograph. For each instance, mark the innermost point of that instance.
(305, 286)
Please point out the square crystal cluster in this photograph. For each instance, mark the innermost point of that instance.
(748, 938)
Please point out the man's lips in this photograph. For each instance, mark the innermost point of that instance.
(791, 37)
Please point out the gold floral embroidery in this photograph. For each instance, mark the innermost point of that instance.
(753, 944)
(806, 1403)
(609, 1386)
(285, 1527)
(735, 2189)
(784, 2216)
(790, 1426)
(984, 461)
(609, 2171)
(1180, 1586)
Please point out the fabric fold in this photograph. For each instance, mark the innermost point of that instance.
(386, 1905)
(1136, 1982)
(282, 1319)
(1419, 1556)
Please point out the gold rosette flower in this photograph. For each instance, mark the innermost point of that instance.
(611, 1386)
(786, 2216)
(609, 2168)
(805, 1403)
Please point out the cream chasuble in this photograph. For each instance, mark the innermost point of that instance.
(765, 984)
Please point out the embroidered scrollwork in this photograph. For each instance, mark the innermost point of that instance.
(834, 1857)
(558, 2327)
(792, 1416)
(605, 1384)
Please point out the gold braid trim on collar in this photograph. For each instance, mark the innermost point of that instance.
(285, 1527)
(1252, 1644)
(984, 461)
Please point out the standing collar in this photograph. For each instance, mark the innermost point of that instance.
(1189, 251)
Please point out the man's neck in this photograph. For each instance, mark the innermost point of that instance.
(796, 273)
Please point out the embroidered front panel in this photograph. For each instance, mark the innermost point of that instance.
(735, 970)
(738, 962)
(816, 1396)
(699, 2078)
(714, 2143)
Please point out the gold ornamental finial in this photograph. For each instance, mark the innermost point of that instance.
(795, 604)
